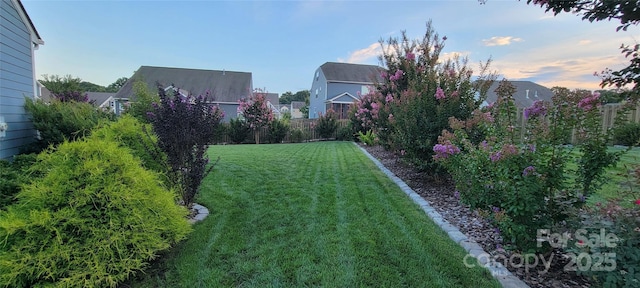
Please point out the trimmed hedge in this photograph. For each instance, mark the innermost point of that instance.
(94, 218)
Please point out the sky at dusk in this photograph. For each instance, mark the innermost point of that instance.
(282, 43)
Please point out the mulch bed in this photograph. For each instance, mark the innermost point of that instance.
(440, 196)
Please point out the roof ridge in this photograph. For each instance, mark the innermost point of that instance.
(194, 69)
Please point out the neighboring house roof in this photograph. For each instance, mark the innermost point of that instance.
(100, 99)
(273, 98)
(223, 86)
(526, 93)
(35, 36)
(44, 93)
(298, 104)
(347, 72)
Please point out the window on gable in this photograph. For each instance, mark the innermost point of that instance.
(317, 75)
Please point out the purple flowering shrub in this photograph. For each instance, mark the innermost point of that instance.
(528, 183)
(185, 126)
(418, 93)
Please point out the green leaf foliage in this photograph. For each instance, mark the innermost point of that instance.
(277, 130)
(238, 130)
(138, 137)
(327, 124)
(12, 175)
(94, 218)
(58, 121)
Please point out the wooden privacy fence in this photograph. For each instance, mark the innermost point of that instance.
(306, 127)
(609, 114)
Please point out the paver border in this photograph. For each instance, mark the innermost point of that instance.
(498, 271)
(202, 212)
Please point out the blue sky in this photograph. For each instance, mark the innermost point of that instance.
(282, 43)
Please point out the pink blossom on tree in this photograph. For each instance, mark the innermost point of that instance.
(440, 94)
(256, 112)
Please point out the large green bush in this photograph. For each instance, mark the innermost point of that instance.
(94, 218)
(327, 124)
(137, 136)
(277, 130)
(57, 121)
(238, 130)
(143, 104)
(627, 134)
(12, 175)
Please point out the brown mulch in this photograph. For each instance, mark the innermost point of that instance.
(441, 196)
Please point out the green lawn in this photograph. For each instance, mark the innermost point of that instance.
(621, 181)
(313, 214)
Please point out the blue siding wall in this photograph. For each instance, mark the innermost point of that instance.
(327, 91)
(16, 79)
(230, 111)
(335, 89)
(316, 100)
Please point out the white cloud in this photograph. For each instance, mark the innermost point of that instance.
(571, 73)
(500, 41)
(364, 54)
(584, 42)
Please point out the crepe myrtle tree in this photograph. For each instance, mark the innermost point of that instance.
(256, 112)
(185, 125)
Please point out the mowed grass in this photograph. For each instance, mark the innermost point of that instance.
(621, 181)
(313, 214)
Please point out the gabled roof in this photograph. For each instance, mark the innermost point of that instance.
(526, 93)
(347, 72)
(298, 104)
(35, 36)
(273, 98)
(345, 97)
(224, 86)
(99, 98)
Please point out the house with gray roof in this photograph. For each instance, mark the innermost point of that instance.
(18, 41)
(224, 88)
(103, 100)
(526, 93)
(337, 86)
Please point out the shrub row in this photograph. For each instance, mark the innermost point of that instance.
(91, 212)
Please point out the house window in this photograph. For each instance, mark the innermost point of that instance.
(317, 75)
(316, 92)
(364, 90)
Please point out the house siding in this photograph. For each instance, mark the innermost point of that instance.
(16, 79)
(328, 90)
(316, 101)
(230, 111)
(335, 89)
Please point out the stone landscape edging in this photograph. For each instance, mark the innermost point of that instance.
(201, 213)
(498, 271)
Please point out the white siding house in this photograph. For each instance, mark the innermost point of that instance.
(18, 41)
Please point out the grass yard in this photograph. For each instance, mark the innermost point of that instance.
(313, 214)
(621, 181)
